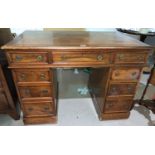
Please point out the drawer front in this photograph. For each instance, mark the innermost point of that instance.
(71, 57)
(118, 105)
(35, 91)
(131, 58)
(39, 58)
(121, 89)
(38, 109)
(126, 73)
(32, 75)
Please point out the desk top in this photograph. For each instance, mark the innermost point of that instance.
(73, 40)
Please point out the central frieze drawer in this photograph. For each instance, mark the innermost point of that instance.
(38, 109)
(35, 91)
(71, 57)
(32, 75)
(116, 89)
(28, 57)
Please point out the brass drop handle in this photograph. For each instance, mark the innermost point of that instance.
(134, 75)
(100, 57)
(22, 76)
(42, 76)
(44, 91)
(140, 58)
(130, 89)
(121, 56)
(19, 58)
(117, 73)
(30, 109)
(109, 105)
(63, 57)
(39, 58)
(114, 90)
(27, 91)
(46, 108)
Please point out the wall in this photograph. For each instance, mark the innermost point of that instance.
(20, 30)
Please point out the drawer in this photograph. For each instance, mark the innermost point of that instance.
(38, 109)
(32, 75)
(86, 57)
(118, 105)
(35, 91)
(28, 57)
(126, 73)
(131, 58)
(122, 89)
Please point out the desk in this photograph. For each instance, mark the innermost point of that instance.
(116, 61)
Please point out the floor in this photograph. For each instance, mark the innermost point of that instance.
(76, 107)
(81, 112)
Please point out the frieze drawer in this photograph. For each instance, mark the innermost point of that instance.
(27, 57)
(78, 57)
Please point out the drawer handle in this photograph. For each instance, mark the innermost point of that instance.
(30, 109)
(114, 91)
(130, 88)
(100, 57)
(109, 105)
(117, 73)
(44, 91)
(22, 76)
(134, 75)
(27, 91)
(63, 57)
(42, 76)
(121, 56)
(140, 58)
(46, 108)
(18, 58)
(39, 58)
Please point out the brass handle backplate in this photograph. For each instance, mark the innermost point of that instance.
(44, 91)
(63, 57)
(30, 109)
(121, 56)
(100, 57)
(42, 76)
(46, 108)
(39, 58)
(18, 58)
(23, 76)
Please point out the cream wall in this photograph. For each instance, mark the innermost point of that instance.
(20, 30)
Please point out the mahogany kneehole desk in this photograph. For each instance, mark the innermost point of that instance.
(116, 61)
